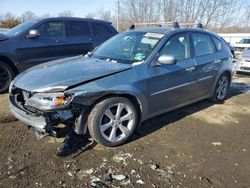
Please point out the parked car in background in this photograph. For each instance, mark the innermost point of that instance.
(231, 48)
(41, 40)
(135, 75)
(240, 46)
(244, 65)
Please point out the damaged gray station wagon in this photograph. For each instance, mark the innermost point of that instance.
(135, 75)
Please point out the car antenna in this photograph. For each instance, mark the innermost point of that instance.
(176, 25)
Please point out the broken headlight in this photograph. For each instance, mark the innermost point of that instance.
(10, 86)
(49, 101)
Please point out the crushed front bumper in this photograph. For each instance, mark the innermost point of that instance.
(38, 122)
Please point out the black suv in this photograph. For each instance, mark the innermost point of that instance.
(41, 40)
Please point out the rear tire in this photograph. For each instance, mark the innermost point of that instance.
(6, 76)
(112, 121)
(221, 89)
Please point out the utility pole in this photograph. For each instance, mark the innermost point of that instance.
(118, 14)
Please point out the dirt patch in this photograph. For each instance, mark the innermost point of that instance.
(202, 145)
(5, 115)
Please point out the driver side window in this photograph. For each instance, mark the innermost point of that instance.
(177, 46)
(52, 29)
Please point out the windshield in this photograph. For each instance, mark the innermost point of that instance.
(128, 47)
(245, 41)
(20, 28)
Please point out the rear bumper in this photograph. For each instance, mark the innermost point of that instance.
(38, 122)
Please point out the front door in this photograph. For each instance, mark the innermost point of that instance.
(172, 85)
(48, 46)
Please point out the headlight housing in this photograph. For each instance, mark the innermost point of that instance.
(49, 101)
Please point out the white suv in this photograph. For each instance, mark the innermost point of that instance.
(244, 65)
(240, 46)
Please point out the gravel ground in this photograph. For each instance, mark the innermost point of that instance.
(201, 145)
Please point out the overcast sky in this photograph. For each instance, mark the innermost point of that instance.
(40, 7)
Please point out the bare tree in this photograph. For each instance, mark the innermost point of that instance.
(102, 15)
(28, 15)
(216, 15)
(8, 20)
(168, 9)
(90, 15)
(140, 11)
(66, 13)
(46, 15)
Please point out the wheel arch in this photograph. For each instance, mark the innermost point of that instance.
(134, 99)
(10, 63)
(228, 73)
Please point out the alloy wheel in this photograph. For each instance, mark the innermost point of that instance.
(222, 87)
(117, 122)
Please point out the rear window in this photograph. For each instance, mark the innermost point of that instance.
(202, 44)
(217, 43)
(100, 29)
(79, 29)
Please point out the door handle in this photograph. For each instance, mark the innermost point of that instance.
(217, 61)
(190, 69)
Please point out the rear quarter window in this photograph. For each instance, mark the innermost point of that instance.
(217, 43)
(99, 29)
(78, 29)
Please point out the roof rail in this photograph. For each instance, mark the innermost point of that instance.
(174, 25)
(199, 25)
(132, 27)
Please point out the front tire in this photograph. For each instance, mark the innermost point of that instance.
(221, 89)
(112, 121)
(6, 76)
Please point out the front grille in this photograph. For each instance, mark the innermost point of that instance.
(21, 96)
(245, 68)
(239, 49)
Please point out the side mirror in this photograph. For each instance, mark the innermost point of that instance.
(33, 33)
(167, 60)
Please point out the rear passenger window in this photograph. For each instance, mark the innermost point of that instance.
(177, 47)
(202, 44)
(79, 29)
(100, 29)
(217, 43)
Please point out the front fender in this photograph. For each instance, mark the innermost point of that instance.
(89, 98)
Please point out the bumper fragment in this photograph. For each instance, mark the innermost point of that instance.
(37, 122)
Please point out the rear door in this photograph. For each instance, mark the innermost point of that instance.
(100, 33)
(172, 85)
(78, 38)
(207, 63)
(48, 46)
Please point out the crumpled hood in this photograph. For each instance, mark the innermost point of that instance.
(60, 74)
